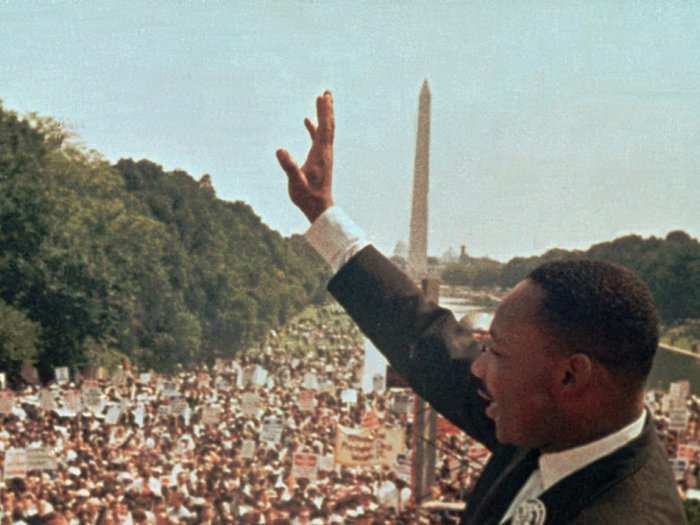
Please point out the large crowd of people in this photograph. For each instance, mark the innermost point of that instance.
(251, 440)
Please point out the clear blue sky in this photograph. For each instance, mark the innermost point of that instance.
(554, 123)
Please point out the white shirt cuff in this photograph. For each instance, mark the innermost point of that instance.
(336, 237)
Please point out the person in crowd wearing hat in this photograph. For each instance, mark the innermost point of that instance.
(556, 390)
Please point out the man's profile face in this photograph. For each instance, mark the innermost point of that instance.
(517, 370)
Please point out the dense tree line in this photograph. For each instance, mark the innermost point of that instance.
(100, 261)
(670, 266)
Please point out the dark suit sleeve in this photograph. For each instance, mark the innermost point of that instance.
(422, 341)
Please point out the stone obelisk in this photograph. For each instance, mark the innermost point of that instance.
(418, 240)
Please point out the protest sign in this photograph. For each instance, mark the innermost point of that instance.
(378, 383)
(178, 406)
(402, 467)
(15, 463)
(168, 389)
(250, 404)
(310, 381)
(271, 430)
(327, 387)
(72, 401)
(389, 443)
(41, 458)
(354, 447)
(46, 401)
(139, 414)
(211, 415)
(326, 463)
(678, 419)
(113, 414)
(349, 395)
(260, 376)
(678, 466)
(6, 402)
(3, 381)
(364, 448)
(62, 375)
(248, 449)
(305, 465)
(144, 378)
(680, 389)
(92, 396)
(401, 404)
(307, 400)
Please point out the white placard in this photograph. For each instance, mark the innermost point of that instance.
(62, 375)
(3, 381)
(678, 419)
(326, 463)
(41, 458)
(92, 396)
(678, 466)
(349, 395)
(169, 389)
(401, 404)
(260, 376)
(211, 415)
(305, 465)
(15, 463)
(178, 406)
(271, 430)
(378, 383)
(72, 401)
(248, 449)
(680, 389)
(144, 378)
(6, 402)
(139, 415)
(310, 381)
(46, 401)
(250, 404)
(113, 414)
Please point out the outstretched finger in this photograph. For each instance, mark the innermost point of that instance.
(311, 127)
(326, 122)
(290, 167)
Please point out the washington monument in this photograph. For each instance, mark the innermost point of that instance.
(418, 240)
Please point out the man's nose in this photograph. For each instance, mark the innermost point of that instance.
(478, 367)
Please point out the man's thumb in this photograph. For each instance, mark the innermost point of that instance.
(289, 166)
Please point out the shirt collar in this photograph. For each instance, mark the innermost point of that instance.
(558, 465)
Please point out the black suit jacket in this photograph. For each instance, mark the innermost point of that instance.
(428, 347)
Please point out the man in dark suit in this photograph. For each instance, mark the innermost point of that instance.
(555, 389)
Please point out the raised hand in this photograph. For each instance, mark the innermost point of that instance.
(310, 186)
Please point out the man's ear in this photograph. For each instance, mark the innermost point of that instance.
(577, 374)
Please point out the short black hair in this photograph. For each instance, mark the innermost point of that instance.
(603, 310)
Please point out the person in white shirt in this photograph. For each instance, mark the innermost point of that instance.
(555, 389)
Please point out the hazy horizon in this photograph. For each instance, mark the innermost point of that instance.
(552, 125)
